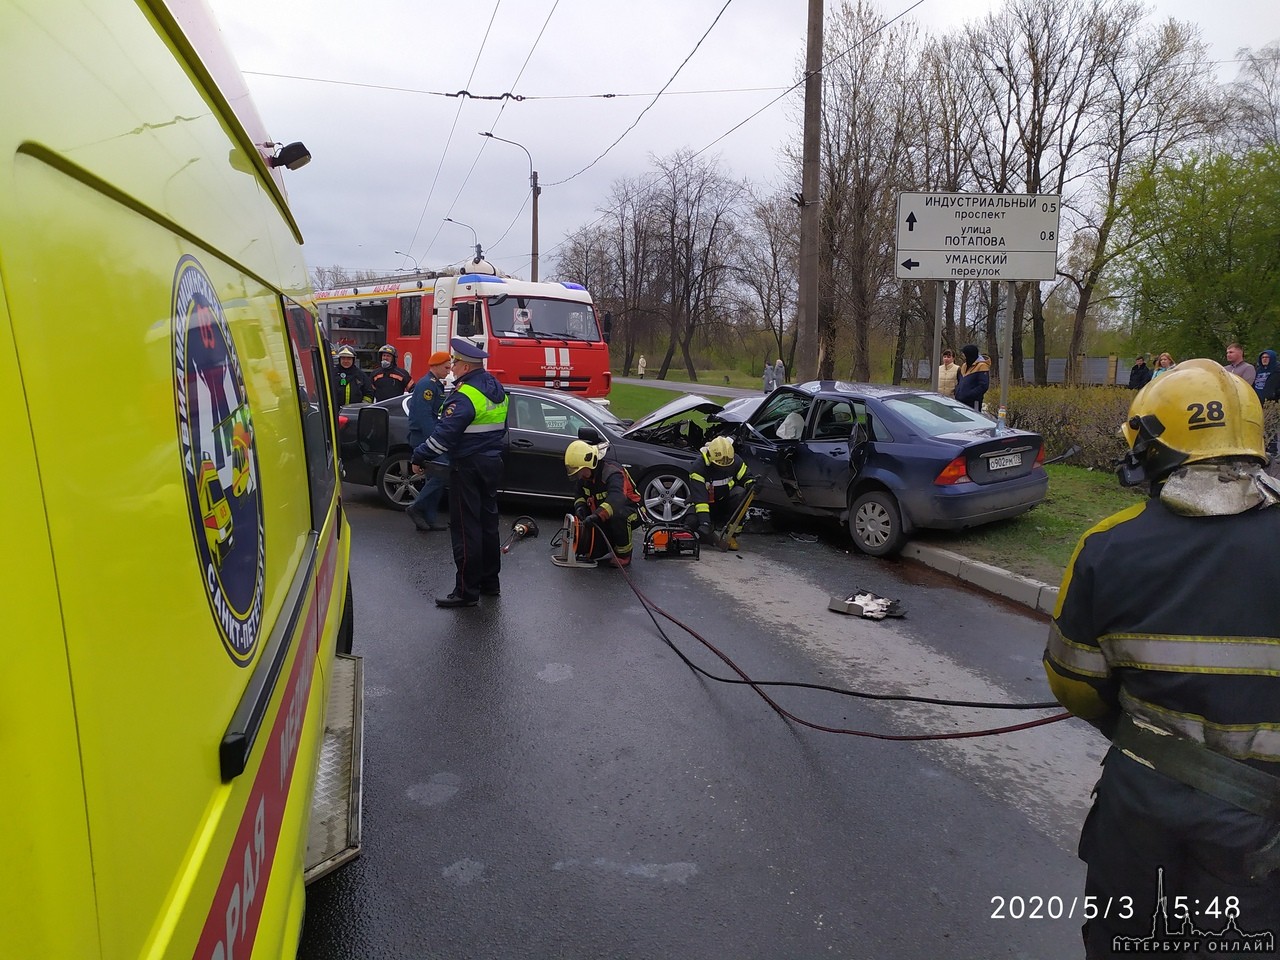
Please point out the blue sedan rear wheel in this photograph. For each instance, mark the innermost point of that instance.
(875, 523)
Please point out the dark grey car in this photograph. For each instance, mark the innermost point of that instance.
(658, 450)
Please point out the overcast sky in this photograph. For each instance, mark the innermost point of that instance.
(360, 85)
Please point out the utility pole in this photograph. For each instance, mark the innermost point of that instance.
(533, 179)
(808, 353)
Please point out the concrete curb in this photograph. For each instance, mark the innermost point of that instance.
(1030, 593)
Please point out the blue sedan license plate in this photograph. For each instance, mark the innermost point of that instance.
(1005, 462)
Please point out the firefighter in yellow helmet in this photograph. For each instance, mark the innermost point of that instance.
(603, 503)
(717, 486)
(1165, 638)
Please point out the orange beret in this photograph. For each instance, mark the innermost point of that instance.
(440, 356)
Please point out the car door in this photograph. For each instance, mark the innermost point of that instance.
(539, 430)
(820, 463)
(767, 442)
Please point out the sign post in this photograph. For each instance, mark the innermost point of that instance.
(973, 236)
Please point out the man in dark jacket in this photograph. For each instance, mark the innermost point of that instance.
(472, 432)
(1165, 640)
(1139, 373)
(425, 402)
(974, 377)
(1266, 382)
(389, 380)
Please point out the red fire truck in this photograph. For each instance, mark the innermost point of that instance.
(537, 334)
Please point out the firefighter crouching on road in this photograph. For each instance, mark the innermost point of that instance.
(472, 432)
(1165, 639)
(389, 380)
(717, 487)
(601, 504)
(350, 384)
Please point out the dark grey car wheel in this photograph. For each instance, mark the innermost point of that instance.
(665, 492)
(875, 522)
(397, 485)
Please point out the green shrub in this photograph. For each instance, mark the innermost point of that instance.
(1065, 415)
(1087, 415)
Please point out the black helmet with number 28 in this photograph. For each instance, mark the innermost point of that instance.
(1197, 411)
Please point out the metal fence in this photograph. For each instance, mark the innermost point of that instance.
(1096, 370)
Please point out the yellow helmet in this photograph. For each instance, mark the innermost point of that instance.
(1197, 411)
(345, 351)
(581, 455)
(719, 450)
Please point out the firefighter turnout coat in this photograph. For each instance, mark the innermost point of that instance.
(1166, 636)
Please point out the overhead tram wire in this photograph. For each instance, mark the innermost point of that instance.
(493, 123)
(655, 99)
(844, 53)
(449, 140)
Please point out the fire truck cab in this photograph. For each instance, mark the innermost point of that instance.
(178, 608)
(536, 334)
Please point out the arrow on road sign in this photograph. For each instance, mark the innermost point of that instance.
(909, 263)
(911, 222)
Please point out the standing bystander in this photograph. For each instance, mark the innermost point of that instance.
(974, 378)
(769, 381)
(472, 432)
(779, 373)
(1237, 364)
(1139, 373)
(1266, 381)
(948, 371)
(641, 365)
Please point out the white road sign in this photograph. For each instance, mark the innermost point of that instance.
(975, 236)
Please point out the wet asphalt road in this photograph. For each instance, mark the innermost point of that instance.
(545, 778)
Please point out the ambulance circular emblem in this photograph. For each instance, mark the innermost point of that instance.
(219, 460)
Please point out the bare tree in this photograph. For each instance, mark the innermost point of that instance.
(865, 105)
(696, 206)
(1257, 96)
(765, 268)
(1153, 104)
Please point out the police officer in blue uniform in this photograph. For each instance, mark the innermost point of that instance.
(472, 432)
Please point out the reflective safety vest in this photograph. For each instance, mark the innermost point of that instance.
(489, 416)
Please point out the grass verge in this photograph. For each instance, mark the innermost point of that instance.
(1038, 544)
(628, 401)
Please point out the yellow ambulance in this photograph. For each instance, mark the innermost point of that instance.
(179, 715)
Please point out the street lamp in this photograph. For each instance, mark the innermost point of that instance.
(479, 254)
(533, 185)
(416, 268)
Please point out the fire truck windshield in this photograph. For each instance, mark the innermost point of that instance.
(536, 317)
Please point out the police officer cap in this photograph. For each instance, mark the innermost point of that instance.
(466, 351)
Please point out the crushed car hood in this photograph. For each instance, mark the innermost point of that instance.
(685, 404)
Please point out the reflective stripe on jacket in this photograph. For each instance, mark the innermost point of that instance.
(473, 420)
(709, 482)
(1176, 621)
